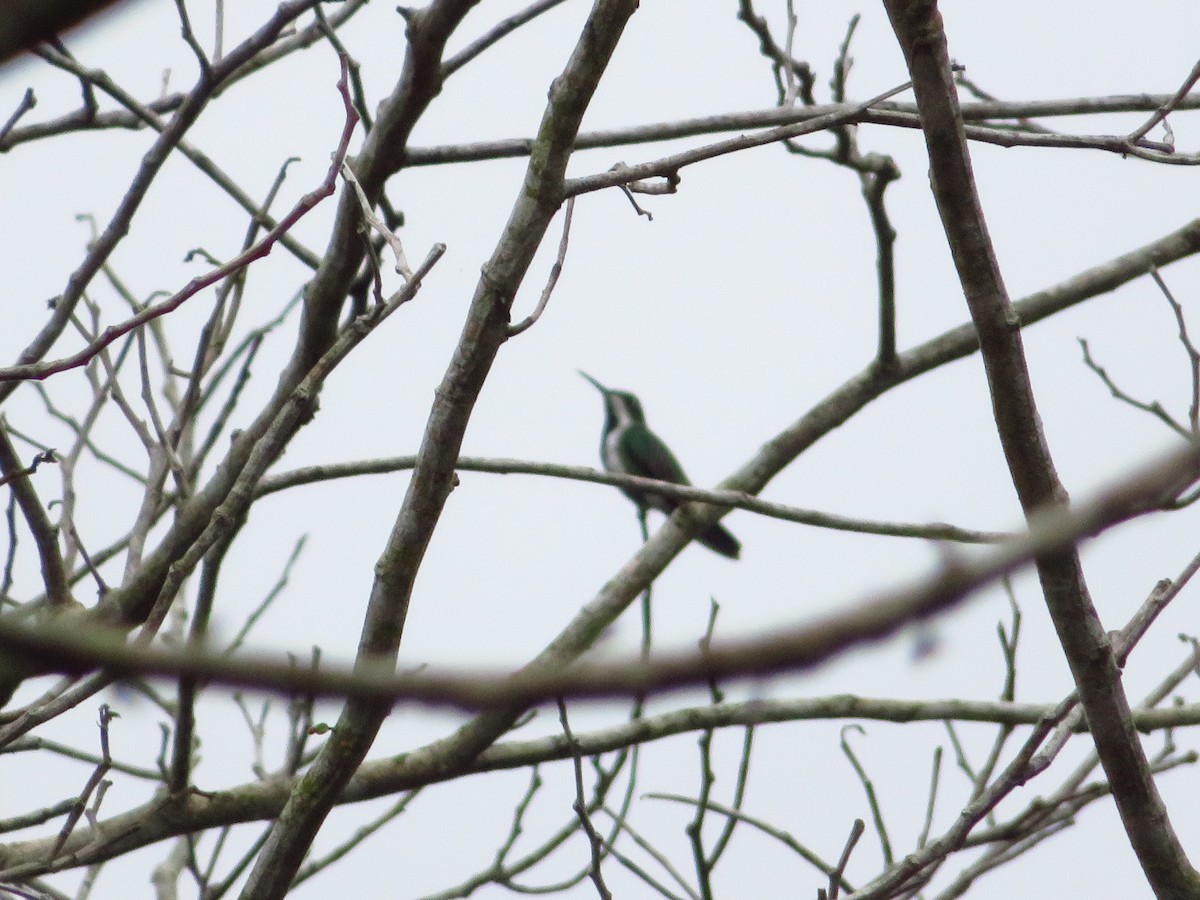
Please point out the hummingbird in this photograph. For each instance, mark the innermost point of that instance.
(629, 447)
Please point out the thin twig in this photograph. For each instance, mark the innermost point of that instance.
(272, 595)
(493, 36)
(835, 877)
(885, 844)
(45, 535)
(94, 784)
(1167, 108)
(765, 827)
(580, 807)
(1189, 348)
(669, 166)
(935, 780)
(936, 531)
(152, 162)
(27, 102)
(393, 239)
(1155, 408)
(552, 280)
(262, 248)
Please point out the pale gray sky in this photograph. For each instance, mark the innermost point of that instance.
(748, 298)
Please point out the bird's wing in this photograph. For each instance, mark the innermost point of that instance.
(648, 455)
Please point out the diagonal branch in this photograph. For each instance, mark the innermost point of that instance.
(303, 206)
(152, 162)
(788, 649)
(45, 535)
(484, 333)
(919, 31)
(496, 34)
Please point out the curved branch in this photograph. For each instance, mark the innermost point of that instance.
(69, 649)
(934, 531)
(193, 813)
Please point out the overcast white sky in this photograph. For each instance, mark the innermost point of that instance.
(748, 298)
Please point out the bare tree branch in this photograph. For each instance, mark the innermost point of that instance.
(1084, 641)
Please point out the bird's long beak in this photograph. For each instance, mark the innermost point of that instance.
(601, 388)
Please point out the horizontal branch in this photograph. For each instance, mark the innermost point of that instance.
(935, 531)
(517, 754)
(884, 113)
(62, 647)
(262, 800)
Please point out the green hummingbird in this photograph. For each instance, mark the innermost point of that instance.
(629, 447)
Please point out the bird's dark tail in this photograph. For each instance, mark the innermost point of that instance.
(719, 540)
